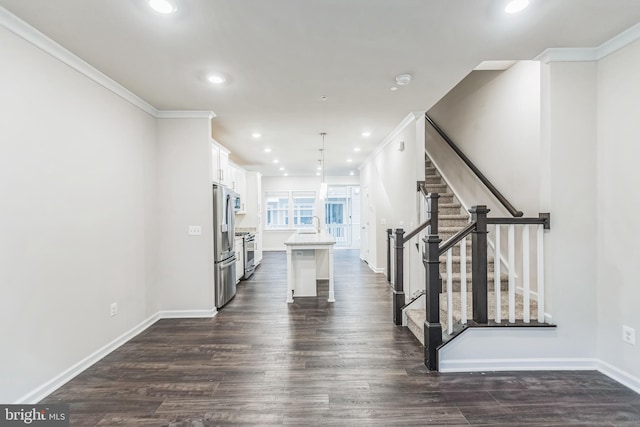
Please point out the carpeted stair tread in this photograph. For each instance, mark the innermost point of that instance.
(416, 317)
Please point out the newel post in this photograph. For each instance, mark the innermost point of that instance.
(479, 264)
(398, 273)
(431, 261)
(389, 231)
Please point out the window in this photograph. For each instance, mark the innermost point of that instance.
(277, 210)
(304, 204)
(282, 206)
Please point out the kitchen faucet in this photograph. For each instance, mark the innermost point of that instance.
(318, 225)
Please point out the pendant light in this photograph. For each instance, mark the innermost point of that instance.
(323, 184)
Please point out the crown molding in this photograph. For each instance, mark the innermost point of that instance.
(410, 118)
(185, 114)
(28, 33)
(44, 43)
(623, 39)
(567, 54)
(586, 54)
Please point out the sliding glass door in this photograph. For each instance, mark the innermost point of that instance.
(342, 215)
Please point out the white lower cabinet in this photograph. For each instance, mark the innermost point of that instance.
(257, 257)
(239, 258)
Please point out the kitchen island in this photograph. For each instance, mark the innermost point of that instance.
(309, 258)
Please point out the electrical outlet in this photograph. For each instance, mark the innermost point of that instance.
(628, 335)
(195, 230)
(114, 309)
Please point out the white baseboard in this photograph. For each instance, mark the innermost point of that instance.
(186, 314)
(620, 376)
(377, 270)
(577, 364)
(67, 375)
(480, 365)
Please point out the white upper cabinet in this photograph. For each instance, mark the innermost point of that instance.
(215, 163)
(232, 172)
(226, 173)
(224, 167)
(219, 164)
(241, 188)
(238, 182)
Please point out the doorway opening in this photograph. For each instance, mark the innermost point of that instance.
(342, 215)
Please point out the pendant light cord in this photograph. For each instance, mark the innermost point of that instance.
(322, 154)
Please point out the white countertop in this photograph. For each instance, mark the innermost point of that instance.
(310, 239)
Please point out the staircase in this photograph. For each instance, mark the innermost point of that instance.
(453, 218)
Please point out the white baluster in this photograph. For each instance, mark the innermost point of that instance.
(512, 274)
(540, 259)
(496, 274)
(449, 292)
(463, 279)
(526, 277)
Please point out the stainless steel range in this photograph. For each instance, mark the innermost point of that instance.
(249, 245)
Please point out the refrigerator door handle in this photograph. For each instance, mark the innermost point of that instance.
(229, 262)
(229, 220)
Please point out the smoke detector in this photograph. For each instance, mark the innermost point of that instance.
(403, 79)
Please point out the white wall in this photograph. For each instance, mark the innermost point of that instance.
(567, 182)
(185, 263)
(390, 177)
(618, 203)
(494, 117)
(77, 190)
(567, 191)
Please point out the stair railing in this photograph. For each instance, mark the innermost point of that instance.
(396, 241)
(498, 195)
(478, 229)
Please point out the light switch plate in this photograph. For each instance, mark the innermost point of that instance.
(195, 230)
(628, 335)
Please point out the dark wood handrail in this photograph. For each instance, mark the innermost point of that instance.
(457, 237)
(513, 211)
(416, 231)
(422, 187)
(544, 219)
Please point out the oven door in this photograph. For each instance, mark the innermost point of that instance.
(249, 254)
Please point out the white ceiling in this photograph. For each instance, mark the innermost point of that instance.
(281, 56)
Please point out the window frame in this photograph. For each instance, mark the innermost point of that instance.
(293, 211)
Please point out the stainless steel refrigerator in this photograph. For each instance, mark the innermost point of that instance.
(223, 243)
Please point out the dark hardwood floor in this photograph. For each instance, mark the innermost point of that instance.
(261, 361)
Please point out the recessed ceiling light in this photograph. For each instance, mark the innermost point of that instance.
(516, 6)
(256, 135)
(286, 174)
(267, 150)
(356, 149)
(352, 173)
(403, 79)
(162, 6)
(216, 79)
(317, 173)
(366, 134)
(394, 88)
(281, 168)
(276, 161)
(319, 168)
(349, 160)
